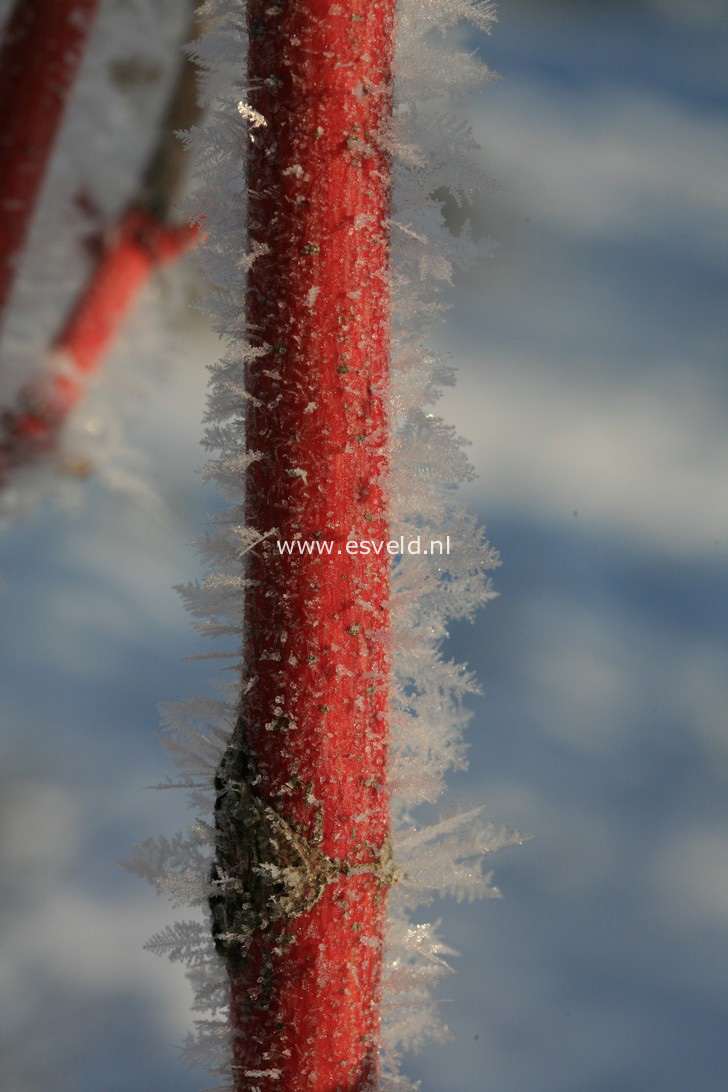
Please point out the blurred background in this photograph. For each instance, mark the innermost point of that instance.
(591, 348)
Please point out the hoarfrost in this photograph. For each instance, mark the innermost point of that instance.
(312, 295)
(430, 151)
(250, 114)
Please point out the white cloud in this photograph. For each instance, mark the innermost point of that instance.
(645, 462)
(94, 944)
(610, 163)
(38, 825)
(604, 679)
(62, 941)
(633, 436)
(699, 13)
(691, 877)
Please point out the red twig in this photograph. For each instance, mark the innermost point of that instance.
(311, 741)
(41, 50)
(131, 254)
(143, 240)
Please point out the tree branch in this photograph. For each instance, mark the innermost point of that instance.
(143, 240)
(302, 809)
(40, 55)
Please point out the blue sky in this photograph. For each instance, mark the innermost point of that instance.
(591, 348)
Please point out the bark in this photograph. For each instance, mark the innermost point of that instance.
(302, 810)
(42, 46)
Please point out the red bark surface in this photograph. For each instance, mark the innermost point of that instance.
(43, 42)
(313, 722)
(130, 255)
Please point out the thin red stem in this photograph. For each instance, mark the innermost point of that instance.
(130, 255)
(42, 47)
(143, 240)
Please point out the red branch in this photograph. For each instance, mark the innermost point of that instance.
(41, 50)
(131, 254)
(143, 240)
(312, 736)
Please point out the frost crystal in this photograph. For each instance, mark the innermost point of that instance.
(430, 151)
(246, 111)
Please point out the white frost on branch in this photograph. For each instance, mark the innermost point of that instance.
(252, 115)
(431, 151)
